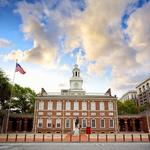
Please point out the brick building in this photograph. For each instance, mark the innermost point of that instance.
(73, 109)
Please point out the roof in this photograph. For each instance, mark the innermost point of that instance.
(86, 96)
(143, 82)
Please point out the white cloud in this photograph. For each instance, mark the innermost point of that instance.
(139, 32)
(98, 28)
(4, 43)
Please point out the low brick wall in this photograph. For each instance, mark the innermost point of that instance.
(29, 137)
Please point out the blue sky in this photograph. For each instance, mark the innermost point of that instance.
(49, 37)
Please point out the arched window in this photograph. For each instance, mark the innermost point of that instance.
(76, 73)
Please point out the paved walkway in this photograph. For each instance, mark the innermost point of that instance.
(75, 146)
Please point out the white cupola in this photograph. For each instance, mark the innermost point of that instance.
(76, 81)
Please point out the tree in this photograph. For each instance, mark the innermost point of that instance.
(121, 108)
(127, 107)
(23, 99)
(5, 90)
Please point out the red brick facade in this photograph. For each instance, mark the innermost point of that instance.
(72, 114)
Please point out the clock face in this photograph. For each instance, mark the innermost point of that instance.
(76, 84)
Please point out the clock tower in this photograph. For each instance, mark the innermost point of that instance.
(76, 81)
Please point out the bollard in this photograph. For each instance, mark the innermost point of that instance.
(79, 137)
(52, 137)
(140, 137)
(70, 137)
(149, 137)
(7, 138)
(43, 137)
(34, 138)
(115, 138)
(132, 137)
(16, 137)
(88, 137)
(61, 137)
(97, 137)
(123, 138)
(106, 138)
(25, 137)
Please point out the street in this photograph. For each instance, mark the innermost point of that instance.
(75, 146)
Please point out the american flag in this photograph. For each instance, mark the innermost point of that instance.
(20, 69)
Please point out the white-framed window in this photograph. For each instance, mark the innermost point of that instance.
(76, 105)
(59, 105)
(93, 106)
(58, 123)
(40, 122)
(50, 105)
(111, 123)
(93, 123)
(67, 123)
(68, 105)
(84, 105)
(49, 123)
(84, 123)
(101, 106)
(110, 106)
(41, 105)
(102, 123)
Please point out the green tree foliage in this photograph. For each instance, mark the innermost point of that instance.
(5, 90)
(127, 107)
(23, 99)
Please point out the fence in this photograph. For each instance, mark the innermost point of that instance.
(29, 137)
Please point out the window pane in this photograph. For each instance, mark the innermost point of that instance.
(40, 123)
(41, 105)
(50, 105)
(59, 105)
(110, 106)
(49, 123)
(84, 123)
(111, 123)
(102, 123)
(93, 123)
(67, 123)
(58, 123)
(102, 106)
(76, 106)
(84, 105)
(93, 106)
(67, 105)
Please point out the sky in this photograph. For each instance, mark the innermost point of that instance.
(109, 40)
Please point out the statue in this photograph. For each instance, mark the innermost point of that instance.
(76, 122)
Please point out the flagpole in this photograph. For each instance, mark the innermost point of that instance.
(11, 94)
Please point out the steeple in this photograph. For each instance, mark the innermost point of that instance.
(76, 81)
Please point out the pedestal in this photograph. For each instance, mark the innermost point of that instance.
(76, 131)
